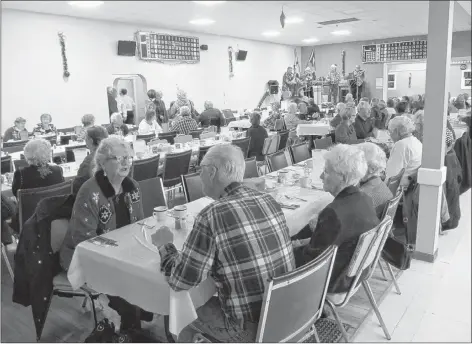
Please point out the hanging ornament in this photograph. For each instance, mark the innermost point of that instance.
(282, 18)
(65, 68)
(230, 55)
(343, 65)
(409, 81)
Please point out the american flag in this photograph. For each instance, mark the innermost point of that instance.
(311, 59)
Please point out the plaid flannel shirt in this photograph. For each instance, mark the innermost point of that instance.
(240, 240)
(184, 125)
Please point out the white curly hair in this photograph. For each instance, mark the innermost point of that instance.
(38, 152)
(348, 162)
(375, 157)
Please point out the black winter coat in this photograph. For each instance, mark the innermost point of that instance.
(463, 151)
(35, 263)
(451, 189)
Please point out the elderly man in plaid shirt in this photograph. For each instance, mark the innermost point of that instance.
(184, 123)
(240, 240)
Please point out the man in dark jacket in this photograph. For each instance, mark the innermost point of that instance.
(211, 116)
(112, 104)
(462, 147)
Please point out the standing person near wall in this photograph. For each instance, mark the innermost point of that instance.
(333, 79)
(112, 104)
(126, 106)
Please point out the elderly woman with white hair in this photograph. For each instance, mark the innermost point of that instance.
(39, 171)
(364, 123)
(184, 123)
(372, 183)
(406, 152)
(45, 127)
(345, 219)
(340, 107)
(117, 127)
(88, 121)
(107, 201)
(291, 118)
(239, 240)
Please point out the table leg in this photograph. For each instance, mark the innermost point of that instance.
(169, 336)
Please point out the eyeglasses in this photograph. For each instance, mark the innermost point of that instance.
(120, 159)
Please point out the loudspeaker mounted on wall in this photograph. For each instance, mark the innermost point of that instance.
(241, 55)
(204, 47)
(126, 48)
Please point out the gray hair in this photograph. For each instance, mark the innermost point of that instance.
(229, 162)
(348, 162)
(38, 152)
(340, 107)
(402, 124)
(88, 120)
(208, 104)
(45, 115)
(105, 150)
(184, 111)
(363, 107)
(292, 108)
(349, 97)
(115, 117)
(375, 157)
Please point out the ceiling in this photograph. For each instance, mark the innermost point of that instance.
(248, 19)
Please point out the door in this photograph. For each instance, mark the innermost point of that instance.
(136, 87)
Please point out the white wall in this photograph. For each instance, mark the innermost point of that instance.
(32, 80)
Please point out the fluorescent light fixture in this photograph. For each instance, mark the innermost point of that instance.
(294, 20)
(341, 32)
(271, 33)
(209, 3)
(86, 4)
(202, 21)
(310, 40)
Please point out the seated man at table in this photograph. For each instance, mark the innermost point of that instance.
(341, 223)
(364, 123)
(240, 240)
(258, 134)
(184, 123)
(117, 127)
(211, 115)
(107, 201)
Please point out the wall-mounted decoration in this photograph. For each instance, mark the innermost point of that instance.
(282, 18)
(230, 56)
(466, 79)
(168, 48)
(65, 67)
(392, 81)
(409, 81)
(463, 66)
(343, 62)
(395, 51)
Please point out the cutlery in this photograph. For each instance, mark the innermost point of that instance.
(289, 206)
(293, 197)
(316, 188)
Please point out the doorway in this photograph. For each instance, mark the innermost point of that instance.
(136, 86)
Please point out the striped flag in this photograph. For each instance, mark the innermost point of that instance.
(296, 64)
(311, 59)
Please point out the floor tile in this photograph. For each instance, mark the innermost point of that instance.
(442, 329)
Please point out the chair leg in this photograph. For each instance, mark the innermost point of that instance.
(338, 320)
(393, 279)
(370, 295)
(382, 270)
(7, 262)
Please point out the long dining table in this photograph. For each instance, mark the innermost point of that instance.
(131, 269)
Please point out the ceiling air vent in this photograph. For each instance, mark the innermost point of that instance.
(338, 21)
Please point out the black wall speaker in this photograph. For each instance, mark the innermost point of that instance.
(126, 48)
(204, 47)
(273, 86)
(241, 55)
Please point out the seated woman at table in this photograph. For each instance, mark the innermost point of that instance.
(88, 121)
(17, 131)
(184, 123)
(345, 131)
(337, 119)
(117, 127)
(39, 171)
(269, 122)
(302, 110)
(291, 118)
(341, 223)
(406, 152)
(372, 183)
(93, 136)
(107, 201)
(313, 111)
(257, 134)
(45, 127)
(149, 124)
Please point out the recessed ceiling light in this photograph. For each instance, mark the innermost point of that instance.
(271, 33)
(310, 40)
(86, 4)
(294, 20)
(209, 3)
(202, 21)
(341, 32)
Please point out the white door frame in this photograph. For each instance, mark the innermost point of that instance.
(385, 73)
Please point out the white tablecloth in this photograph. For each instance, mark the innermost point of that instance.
(320, 129)
(132, 271)
(244, 123)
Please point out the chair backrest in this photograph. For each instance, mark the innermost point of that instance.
(283, 139)
(70, 156)
(394, 182)
(201, 153)
(183, 139)
(270, 145)
(169, 136)
(391, 206)
(303, 291)
(323, 143)
(6, 164)
(20, 164)
(251, 168)
(196, 133)
(152, 195)
(66, 130)
(28, 199)
(14, 146)
(299, 152)
(193, 187)
(145, 169)
(277, 161)
(157, 141)
(279, 124)
(243, 144)
(228, 115)
(146, 137)
(207, 135)
(175, 165)
(58, 233)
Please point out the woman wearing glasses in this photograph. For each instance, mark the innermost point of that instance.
(107, 201)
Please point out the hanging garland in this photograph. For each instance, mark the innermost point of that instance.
(62, 42)
(230, 55)
(343, 59)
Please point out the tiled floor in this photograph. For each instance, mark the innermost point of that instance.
(435, 304)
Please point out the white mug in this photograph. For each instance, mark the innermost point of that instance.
(159, 213)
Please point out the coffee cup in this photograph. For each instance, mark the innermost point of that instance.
(282, 177)
(178, 146)
(305, 182)
(159, 213)
(180, 215)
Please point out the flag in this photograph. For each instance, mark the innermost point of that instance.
(296, 64)
(311, 59)
(282, 19)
